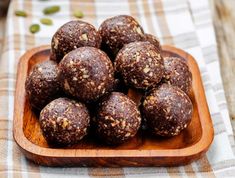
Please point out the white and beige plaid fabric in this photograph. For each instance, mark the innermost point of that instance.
(187, 24)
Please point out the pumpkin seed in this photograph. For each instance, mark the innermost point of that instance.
(79, 14)
(34, 28)
(20, 13)
(51, 10)
(46, 21)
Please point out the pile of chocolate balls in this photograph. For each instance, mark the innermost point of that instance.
(85, 83)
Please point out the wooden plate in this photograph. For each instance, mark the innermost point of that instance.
(142, 150)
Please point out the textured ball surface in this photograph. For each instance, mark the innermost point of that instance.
(167, 110)
(72, 35)
(153, 40)
(64, 121)
(86, 73)
(42, 85)
(118, 118)
(140, 64)
(177, 73)
(118, 31)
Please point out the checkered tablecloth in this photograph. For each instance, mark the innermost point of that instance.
(187, 24)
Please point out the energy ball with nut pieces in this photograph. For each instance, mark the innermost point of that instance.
(153, 40)
(42, 85)
(87, 74)
(167, 110)
(177, 73)
(72, 35)
(64, 121)
(118, 31)
(118, 119)
(140, 64)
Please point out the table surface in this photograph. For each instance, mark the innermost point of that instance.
(223, 12)
(224, 21)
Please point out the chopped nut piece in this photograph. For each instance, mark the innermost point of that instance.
(146, 69)
(84, 37)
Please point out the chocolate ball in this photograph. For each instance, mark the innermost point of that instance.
(64, 121)
(72, 35)
(87, 74)
(118, 31)
(167, 110)
(42, 84)
(118, 118)
(177, 73)
(140, 64)
(153, 40)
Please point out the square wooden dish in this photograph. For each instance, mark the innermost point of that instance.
(142, 150)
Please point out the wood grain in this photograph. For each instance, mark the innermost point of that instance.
(142, 150)
(224, 21)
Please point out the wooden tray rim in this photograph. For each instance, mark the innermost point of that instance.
(26, 146)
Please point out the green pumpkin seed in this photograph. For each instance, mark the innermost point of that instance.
(46, 21)
(34, 28)
(51, 10)
(20, 13)
(79, 14)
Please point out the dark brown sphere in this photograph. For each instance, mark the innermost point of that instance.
(140, 64)
(177, 73)
(118, 119)
(64, 121)
(87, 74)
(153, 40)
(167, 110)
(118, 31)
(42, 85)
(72, 35)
